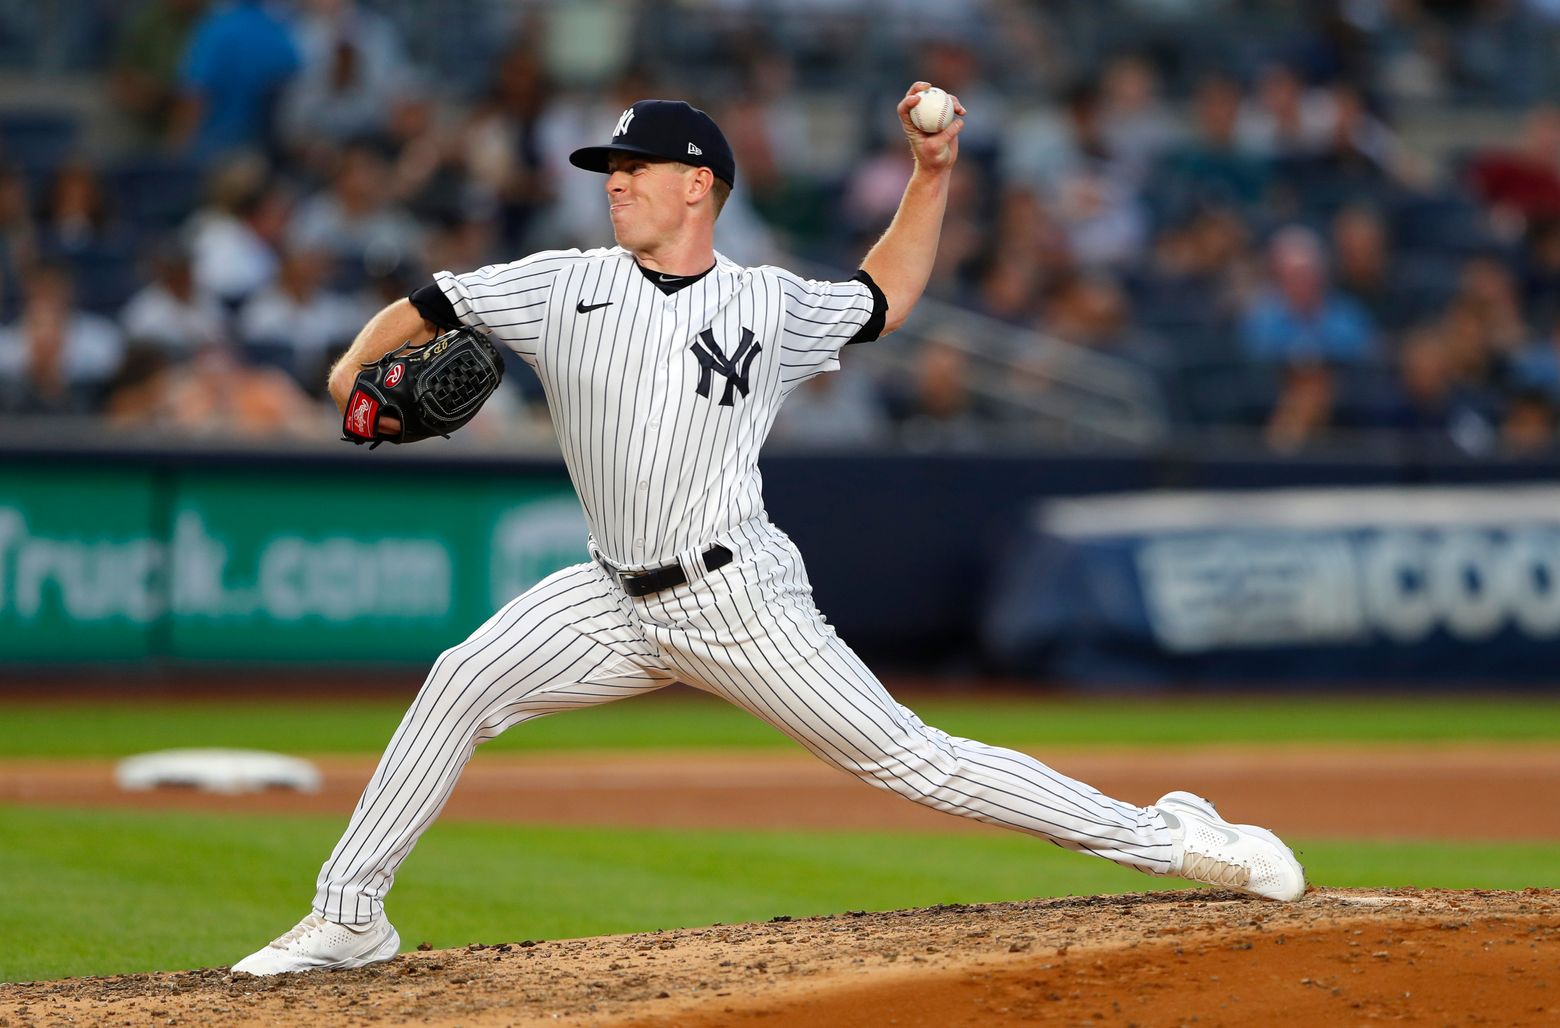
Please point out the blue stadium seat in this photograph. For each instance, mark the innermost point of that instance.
(36, 141)
(1450, 223)
(155, 193)
(105, 275)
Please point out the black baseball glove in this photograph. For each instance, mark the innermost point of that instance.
(431, 389)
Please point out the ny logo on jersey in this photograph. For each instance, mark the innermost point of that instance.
(622, 125)
(712, 359)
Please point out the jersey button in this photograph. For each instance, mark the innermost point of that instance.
(653, 424)
(644, 487)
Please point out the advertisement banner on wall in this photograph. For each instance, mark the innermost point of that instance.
(82, 565)
(266, 566)
(1412, 584)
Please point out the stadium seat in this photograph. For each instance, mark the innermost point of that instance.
(105, 275)
(36, 141)
(155, 193)
(1451, 224)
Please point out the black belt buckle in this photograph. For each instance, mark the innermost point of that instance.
(668, 576)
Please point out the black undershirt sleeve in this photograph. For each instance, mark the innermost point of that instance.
(434, 306)
(874, 326)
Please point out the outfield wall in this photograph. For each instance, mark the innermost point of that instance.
(163, 557)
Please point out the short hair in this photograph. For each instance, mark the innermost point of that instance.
(720, 189)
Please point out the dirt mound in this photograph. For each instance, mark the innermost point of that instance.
(1337, 956)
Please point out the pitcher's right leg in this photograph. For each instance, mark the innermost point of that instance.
(565, 643)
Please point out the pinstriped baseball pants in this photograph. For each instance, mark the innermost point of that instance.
(749, 633)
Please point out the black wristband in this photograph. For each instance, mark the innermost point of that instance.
(435, 307)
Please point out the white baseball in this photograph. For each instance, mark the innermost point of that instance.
(934, 112)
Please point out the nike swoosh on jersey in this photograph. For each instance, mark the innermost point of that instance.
(586, 308)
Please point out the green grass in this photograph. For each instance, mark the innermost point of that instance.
(686, 719)
(102, 892)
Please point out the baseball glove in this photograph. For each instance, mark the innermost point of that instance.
(431, 389)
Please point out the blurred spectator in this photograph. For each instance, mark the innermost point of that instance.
(1094, 195)
(1209, 167)
(1540, 271)
(1522, 183)
(356, 220)
(1413, 53)
(836, 410)
(233, 238)
(299, 324)
(1009, 289)
(231, 77)
(55, 359)
(425, 177)
(1197, 285)
(1362, 257)
(18, 238)
(939, 409)
(352, 66)
(1299, 318)
(1093, 311)
(213, 395)
(1137, 125)
(168, 313)
(1537, 365)
(144, 80)
(501, 143)
(1304, 330)
(1303, 410)
(1434, 402)
(75, 214)
(1487, 293)
(873, 191)
(1356, 156)
(1529, 424)
(1284, 118)
(775, 143)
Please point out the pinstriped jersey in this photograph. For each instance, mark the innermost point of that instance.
(661, 402)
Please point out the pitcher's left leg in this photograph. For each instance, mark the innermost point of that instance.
(782, 662)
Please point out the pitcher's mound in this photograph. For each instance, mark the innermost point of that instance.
(1336, 957)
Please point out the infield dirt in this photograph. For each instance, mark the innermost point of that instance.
(1335, 957)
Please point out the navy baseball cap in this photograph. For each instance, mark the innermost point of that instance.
(670, 130)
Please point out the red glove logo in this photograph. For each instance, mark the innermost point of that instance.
(394, 375)
(362, 411)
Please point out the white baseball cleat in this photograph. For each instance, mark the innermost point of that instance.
(315, 944)
(1211, 850)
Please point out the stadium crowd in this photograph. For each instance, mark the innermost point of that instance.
(1212, 192)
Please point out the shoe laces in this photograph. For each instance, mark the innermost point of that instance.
(298, 931)
(1204, 868)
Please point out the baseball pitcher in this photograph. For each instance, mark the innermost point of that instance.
(664, 364)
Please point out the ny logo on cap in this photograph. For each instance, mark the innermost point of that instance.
(622, 125)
